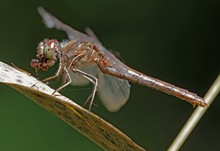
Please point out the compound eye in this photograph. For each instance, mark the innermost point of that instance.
(40, 48)
(40, 51)
(48, 52)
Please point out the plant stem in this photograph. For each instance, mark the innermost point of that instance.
(196, 116)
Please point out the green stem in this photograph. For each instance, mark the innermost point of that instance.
(196, 116)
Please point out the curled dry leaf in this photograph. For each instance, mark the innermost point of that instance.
(92, 126)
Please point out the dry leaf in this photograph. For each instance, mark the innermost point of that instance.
(92, 126)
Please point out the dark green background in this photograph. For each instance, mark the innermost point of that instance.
(177, 41)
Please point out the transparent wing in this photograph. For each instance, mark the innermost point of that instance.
(52, 22)
(112, 91)
(90, 33)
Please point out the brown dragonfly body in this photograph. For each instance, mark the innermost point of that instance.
(86, 51)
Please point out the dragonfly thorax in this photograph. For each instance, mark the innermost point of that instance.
(76, 53)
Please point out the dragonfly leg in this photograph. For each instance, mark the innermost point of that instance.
(51, 77)
(59, 71)
(69, 80)
(94, 81)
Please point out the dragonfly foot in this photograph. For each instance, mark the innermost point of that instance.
(89, 101)
(53, 94)
(33, 85)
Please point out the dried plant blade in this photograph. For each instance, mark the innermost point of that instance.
(196, 116)
(95, 128)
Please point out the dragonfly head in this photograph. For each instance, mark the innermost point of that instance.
(47, 54)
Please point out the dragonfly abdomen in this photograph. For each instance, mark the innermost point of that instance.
(122, 71)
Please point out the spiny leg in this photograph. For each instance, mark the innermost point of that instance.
(51, 77)
(94, 81)
(69, 80)
(59, 70)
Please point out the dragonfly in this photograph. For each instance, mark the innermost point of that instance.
(83, 59)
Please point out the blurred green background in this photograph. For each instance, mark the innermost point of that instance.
(176, 41)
